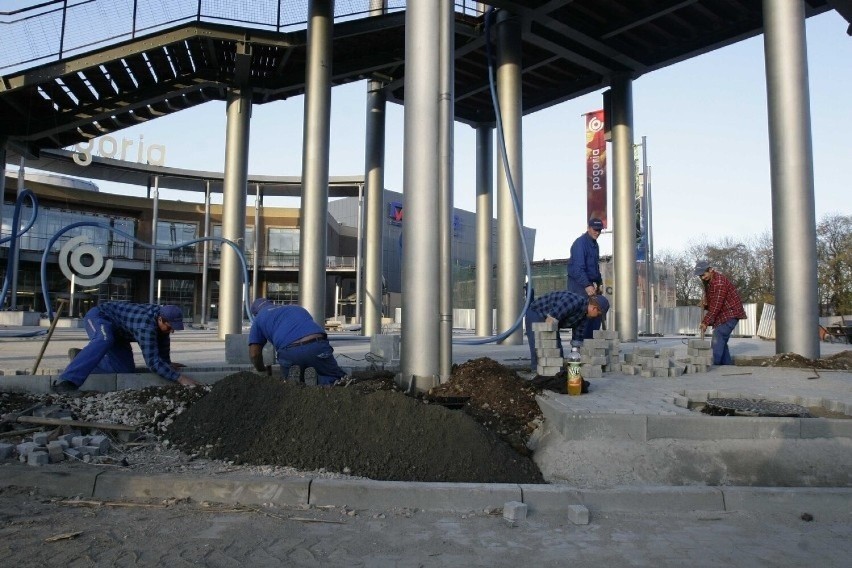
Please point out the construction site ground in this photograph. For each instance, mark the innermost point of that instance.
(652, 472)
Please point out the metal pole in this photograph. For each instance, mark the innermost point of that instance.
(650, 253)
(231, 285)
(205, 262)
(360, 244)
(62, 29)
(155, 213)
(648, 317)
(374, 157)
(256, 260)
(484, 215)
(420, 282)
(133, 29)
(624, 209)
(509, 270)
(446, 114)
(15, 261)
(71, 295)
(316, 135)
(2, 181)
(791, 166)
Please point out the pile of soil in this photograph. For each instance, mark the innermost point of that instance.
(384, 435)
(840, 361)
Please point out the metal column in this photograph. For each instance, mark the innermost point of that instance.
(205, 261)
(510, 274)
(313, 239)
(374, 157)
(484, 214)
(420, 282)
(446, 117)
(2, 181)
(359, 248)
(255, 264)
(155, 219)
(234, 191)
(14, 262)
(624, 225)
(791, 163)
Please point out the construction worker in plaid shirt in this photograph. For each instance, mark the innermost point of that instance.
(111, 327)
(724, 310)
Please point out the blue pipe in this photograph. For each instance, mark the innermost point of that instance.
(63, 230)
(13, 237)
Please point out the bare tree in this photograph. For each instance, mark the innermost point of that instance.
(834, 264)
(686, 285)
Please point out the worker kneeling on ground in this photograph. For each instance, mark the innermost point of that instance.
(111, 327)
(299, 341)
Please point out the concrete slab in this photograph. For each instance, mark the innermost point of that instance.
(368, 494)
(247, 491)
(53, 480)
(654, 499)
(631, 427)
(825, 504)
(826, 428)
(722, 427)
(36, 384)
(550, 498)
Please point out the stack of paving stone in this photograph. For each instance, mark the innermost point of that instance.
(649, 362)
(42, 450)
(550, 360)
(601, 354)
(699, 356)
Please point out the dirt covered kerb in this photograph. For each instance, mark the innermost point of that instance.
(379, 434)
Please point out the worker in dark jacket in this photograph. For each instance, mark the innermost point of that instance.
(584, 273)
(568, 309)
(300, 343)
(112, 327)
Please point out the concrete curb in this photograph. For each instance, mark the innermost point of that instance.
(826, 504)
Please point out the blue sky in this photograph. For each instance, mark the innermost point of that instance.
(705, 121)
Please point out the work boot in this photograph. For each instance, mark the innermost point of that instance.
(73, 352)
(311, 377)
(294, 374)
(67, 388)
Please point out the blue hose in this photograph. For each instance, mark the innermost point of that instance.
(63, 230)
(12, 239)
(504, 155)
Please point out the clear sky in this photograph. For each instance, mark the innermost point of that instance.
(705, 121)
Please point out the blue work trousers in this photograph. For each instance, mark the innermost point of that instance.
(103, 354)
(719, 343)
(318, 354)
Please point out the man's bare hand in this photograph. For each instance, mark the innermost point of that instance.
(177, 366)
(187, 382)
(590, 290)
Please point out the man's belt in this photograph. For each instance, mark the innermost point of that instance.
(308, 339)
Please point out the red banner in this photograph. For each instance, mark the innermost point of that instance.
(596, 187)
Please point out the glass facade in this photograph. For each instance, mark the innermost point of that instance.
(173, 233)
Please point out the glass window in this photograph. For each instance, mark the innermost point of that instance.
(172, 234)
(283, 240)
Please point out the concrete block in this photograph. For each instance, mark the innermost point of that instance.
(551, 361)
(550, 352)
(6, 451)
(102, 443)
(73, 453)
(40, 439)
(699, 343)
(36, 384)
(827, 504)
(721, 428)
(628, 369)
(91, 450)
(826, 428)
(545, 326)
(549, 498)
(629, 357)
(25, 448)
(660, 363)
(514, 511)
(675, 371)
(578, 514)
(632, 427)
(598, 361)
(654, 499)
(592, 371)
(38, 457)
(647, 374)
(79, 441)
(681, 401)
(547, 371)
(369, 494)
(546, 344)
(646, 352)
(661, 373)
(667, 352)
(100, 383)
(55, 452)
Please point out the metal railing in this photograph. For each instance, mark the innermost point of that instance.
(54, 29)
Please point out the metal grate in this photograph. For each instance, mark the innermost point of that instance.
(754, 407)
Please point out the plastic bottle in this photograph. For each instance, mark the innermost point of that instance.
(575, 372)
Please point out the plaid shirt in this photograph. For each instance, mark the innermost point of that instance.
(567, 307)
(138, 322)
(723, 301)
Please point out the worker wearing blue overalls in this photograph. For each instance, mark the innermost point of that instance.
(300, 343)
(112, 327)
(584, 272)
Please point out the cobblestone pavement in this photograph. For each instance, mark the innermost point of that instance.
(36, 531)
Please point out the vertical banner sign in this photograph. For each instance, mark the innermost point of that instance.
(596, 186)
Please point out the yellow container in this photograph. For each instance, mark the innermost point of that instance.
(575, 386)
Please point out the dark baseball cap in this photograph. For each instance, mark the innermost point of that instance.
(701, 267)
(172, 314)
(596, 224)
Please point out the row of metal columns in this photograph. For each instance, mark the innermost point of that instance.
(427, 179)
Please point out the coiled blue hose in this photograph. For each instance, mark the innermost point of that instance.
(63, 230)
(12, 239)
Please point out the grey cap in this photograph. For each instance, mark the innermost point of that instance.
(701, 267)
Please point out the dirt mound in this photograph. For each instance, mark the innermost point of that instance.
(840, 361)
(384, 435)
(498, 399)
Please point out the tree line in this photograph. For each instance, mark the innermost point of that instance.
(750, 266)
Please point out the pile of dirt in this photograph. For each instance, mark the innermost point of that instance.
(840, 361)
(384, 435)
